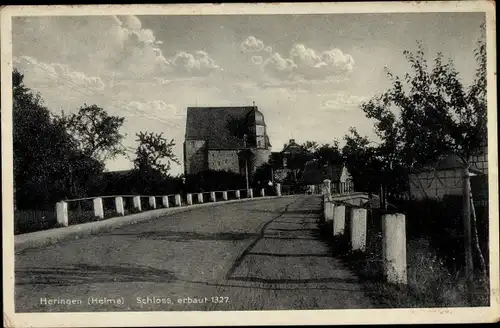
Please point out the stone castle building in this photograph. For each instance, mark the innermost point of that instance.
(224, 138)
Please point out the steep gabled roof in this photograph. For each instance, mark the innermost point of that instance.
(217, 125)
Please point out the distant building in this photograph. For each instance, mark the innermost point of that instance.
(215, 139)
(446, 177)
(289, 162)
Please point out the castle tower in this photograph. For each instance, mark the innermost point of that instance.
(262, 146)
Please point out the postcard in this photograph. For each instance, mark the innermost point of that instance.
(249, 164)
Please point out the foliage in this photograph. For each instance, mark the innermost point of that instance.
(97, 133)
(48, 165)
(262, 175)
(430, 113)
(328, 154)
(310, 146)
(138, 182)
(211, 180)
(154, 153)
(362, 162)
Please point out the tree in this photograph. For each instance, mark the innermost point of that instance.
(97, 132)
(154, 153)
(47, 163)
(328, 154)
(310, 146)
(430, 113)
(362, 161)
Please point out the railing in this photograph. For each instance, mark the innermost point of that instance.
(97, 208)
(350, 222)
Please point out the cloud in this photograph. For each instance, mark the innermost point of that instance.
(268, 49)
(306, 64)
(115, 46)
(257, 60)
(311, 63)
(252, 44)
(343, 101)
(199, 63)
(55, 74)
(279, 66)
(156, 108)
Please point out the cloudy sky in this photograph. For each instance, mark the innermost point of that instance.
(308, 74)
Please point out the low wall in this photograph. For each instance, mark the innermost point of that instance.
(78, 231)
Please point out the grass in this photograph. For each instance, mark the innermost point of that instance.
(430, 282)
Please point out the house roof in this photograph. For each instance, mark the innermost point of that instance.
(445, 163)
(217, 125)
(292, 147)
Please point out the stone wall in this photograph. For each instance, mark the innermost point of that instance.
(260, 157)
(195, 156)
(223, 160)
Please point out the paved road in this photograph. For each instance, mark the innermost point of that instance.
(258, 255)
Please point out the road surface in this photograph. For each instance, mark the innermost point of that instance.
(257, 255)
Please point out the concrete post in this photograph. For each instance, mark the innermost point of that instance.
(278, 189)
(237, 194)
(200, 198)
(326, 186)
(328, 211)
(119, 205)
(164, 201)
(262, 193)
(212, 196)
(137, 203)
(394, 247)
(358, 229)
(224, 195)
(250, 193)
(152, 202)
(178, 200)
(189, 199)
(62, 213)
(98, 209)
(338, 220)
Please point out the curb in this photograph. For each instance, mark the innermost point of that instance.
(52, 236)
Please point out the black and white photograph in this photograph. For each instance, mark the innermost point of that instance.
(249, 164)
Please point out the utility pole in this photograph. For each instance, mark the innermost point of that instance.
(469, 269)
(246, 160)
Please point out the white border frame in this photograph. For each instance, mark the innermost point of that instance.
(238, 318)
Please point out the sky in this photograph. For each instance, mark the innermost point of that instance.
(308, 74)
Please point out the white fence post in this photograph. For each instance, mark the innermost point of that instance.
(394, 247)
(358, 228)
(250, 193)
(98, 209)
(152, 202)
(212, 196)
(189, 199)
(164, 201)
(278, 189)
(137, 203)
(224, 195)
(328, 211)
(62, 213)
(200, 197)
(262, 192)
(326, 187)
(178, 200)
(338, 220)
(119, 205)
(237, 194)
